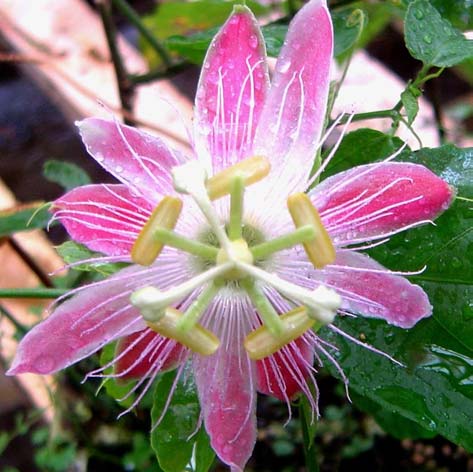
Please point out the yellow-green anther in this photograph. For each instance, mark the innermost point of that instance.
(170, 238)
(237, 191)
(264, 308)
(198, 339)
(197, 308)
(319, 250)
(252, 170)
(262, 343)
(146, 247)
(300, 235)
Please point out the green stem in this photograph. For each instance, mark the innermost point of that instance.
(298, 236)
(197, 307)
(237, 191)
(310, 452)
(32, 292)
(170, 238)
(159, 74)
(21, 328)
(270, 318)
(136, 21)
(125, 86)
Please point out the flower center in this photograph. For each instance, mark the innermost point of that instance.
(231, 258)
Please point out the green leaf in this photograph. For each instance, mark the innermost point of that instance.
(24, 218)
(347, 25)
(394, 424)
(362, 146)
(409, 101)
(73, 252)
(435, 390)
(432, 39)
(204, 454)
(66, 174)
(185, 18)
(170, 439)
(117, 389)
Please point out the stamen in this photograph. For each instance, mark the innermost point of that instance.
(152, 302)
(320, 250)
(146, 248)
(252, 170)
(267, 312)
(261, 343)
(300, 235)
(322, 303)
(197, 308)
(198, 339)
(190, 178)
(237, 190)
(170, 238)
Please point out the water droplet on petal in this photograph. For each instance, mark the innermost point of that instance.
(284, 66)
(253, 41)
(118, 169)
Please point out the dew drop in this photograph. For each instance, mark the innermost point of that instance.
(427, 38)
(419, 14)
(284, 66)
(44, 364)
(253, 41)
(118, 169)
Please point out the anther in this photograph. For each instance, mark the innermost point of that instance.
(262, 343)
(146, 247)
(320, 249)
(251, 170)
(198, 339)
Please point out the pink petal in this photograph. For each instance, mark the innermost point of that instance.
(225, 383)
(231, 90)
(135, 365)
(372, 201)
(370, 290)
(106, 218)
(291, 122)
(79, 327)
(138, 159)
(280, 378)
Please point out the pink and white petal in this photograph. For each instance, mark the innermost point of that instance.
(285, 374)
(292, 119)
(134, 359)
(105, 218)
(231, 91)
(369, 289)
(138, 159)
(80, 326)
(226, 385)
(373, 201)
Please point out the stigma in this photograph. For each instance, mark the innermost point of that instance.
(234, 261)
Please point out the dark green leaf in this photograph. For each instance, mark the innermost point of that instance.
(393, 423)
(170, 439)
(362, 147)
(73, 253)
(432, 39)
(66, 174)
(347, 25)
(435, 390)
(204, 454)
(117, 389)
(24, 218)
